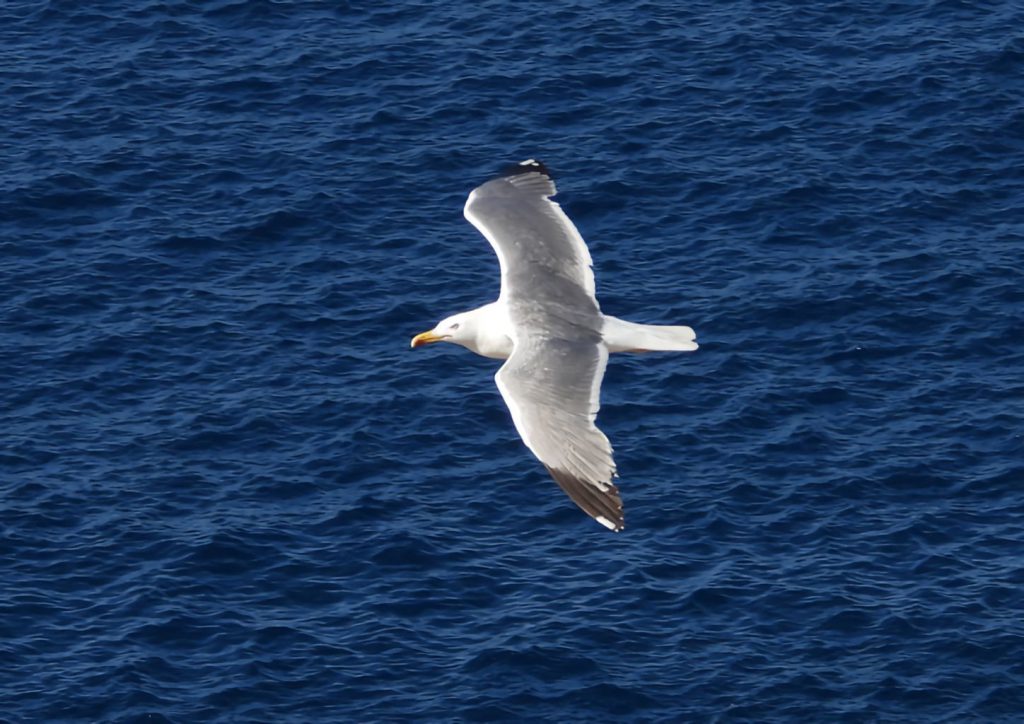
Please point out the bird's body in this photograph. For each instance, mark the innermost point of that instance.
(549, 328)
(489, 339)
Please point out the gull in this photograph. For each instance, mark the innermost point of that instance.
(548, 326)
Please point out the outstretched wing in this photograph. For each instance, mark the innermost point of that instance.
(534, 240)
(552, 381)
(552, 388)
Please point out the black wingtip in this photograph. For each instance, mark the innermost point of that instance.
(528, 166)
(603, 506)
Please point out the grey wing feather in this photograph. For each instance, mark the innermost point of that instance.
(552, 381)
(552, 389)
(542, 255)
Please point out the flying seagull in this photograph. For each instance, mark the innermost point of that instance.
(548, 327)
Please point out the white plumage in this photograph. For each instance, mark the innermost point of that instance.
(549, 328)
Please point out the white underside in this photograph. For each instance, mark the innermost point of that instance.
(493, 339)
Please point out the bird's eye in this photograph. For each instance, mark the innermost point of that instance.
(455, 326)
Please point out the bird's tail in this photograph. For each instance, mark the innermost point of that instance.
(623, 336)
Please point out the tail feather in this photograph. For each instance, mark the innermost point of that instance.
(623, 336)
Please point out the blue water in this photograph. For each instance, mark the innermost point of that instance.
(230, 492)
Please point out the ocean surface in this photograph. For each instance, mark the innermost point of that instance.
(230, 492)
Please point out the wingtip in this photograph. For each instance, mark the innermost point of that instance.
(610, 525)
(530, 165)
(603, 505)
(532, 177)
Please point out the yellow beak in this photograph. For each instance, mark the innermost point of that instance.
(426, 338)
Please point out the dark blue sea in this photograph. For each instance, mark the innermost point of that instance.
(230, 492)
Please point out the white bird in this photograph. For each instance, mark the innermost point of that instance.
(548, 326)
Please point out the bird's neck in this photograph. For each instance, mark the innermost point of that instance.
(489, 322)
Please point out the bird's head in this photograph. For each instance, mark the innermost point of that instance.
(457, 328)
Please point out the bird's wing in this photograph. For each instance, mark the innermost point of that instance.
(535, 241)
(552, 381)
(552, 388)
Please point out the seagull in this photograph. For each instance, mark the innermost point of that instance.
(549, 329)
